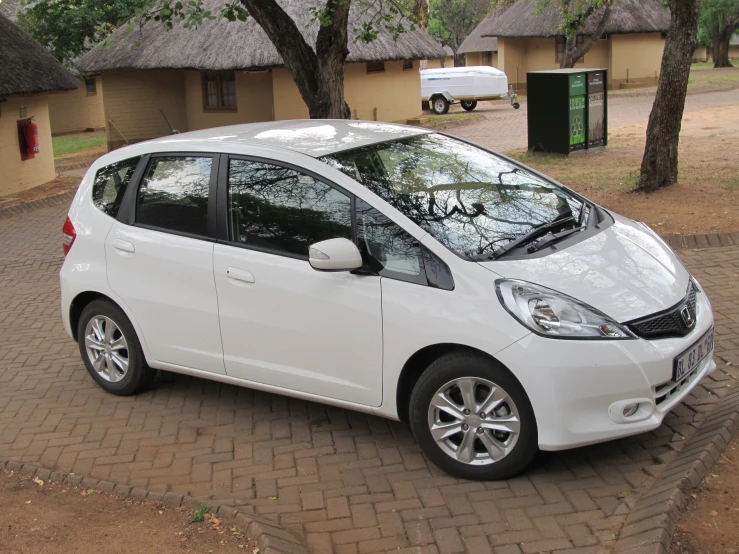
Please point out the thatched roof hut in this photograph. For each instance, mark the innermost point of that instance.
(222, 45)
(26, 67)
(478, 43)
(519, 19)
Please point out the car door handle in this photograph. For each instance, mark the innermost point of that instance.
(124, 246)
(240, 275)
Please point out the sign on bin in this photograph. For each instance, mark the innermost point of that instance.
(596, 109)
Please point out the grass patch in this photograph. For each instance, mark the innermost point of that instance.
(199, 514)
(441, 119)
(65, 145)
(700, 66)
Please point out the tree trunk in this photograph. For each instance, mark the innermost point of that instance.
(721, 42)
(659, 165)
(421, 14)
(319, 74)
(460, 60)
(572, 53)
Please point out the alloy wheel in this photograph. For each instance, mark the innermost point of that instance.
(474, 421)
(106, 348)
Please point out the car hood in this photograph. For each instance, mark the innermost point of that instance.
(625, 271)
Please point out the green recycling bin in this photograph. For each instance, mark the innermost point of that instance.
(567, 110)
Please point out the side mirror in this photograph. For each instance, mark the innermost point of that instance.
(335, 255)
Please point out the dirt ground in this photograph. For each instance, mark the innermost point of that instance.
(709, 523)
(49, 518)
(706, 198)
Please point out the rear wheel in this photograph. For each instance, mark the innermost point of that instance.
(440, 105)
(472, 418)
(111, 350)
(469, 105)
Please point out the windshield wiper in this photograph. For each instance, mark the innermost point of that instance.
(556, 237)
(536, 232)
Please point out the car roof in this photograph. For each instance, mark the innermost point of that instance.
(314, 137)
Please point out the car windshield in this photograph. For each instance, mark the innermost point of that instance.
(470, 200)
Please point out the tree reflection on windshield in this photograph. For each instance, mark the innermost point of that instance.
(468, 199)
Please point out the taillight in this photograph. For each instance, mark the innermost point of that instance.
(68, 236)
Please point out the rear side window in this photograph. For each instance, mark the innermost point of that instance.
(281, 210)
(174, 194)
(111, 183)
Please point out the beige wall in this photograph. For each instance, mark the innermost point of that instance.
(17, 175)
(394, 93)
(700, 54)
(638, 55)
(475, 58)
(253, 101)
(734, 52)
(512, 60)
(435, 63)
(132, 101)
(75, 111)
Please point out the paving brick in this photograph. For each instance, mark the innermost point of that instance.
(317, 469)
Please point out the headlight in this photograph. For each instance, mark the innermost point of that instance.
(553, 314)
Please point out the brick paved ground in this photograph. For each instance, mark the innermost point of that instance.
(504, 129)
(349, 482)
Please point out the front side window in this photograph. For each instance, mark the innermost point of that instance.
(174, 194)
(219, 90)
(470, 200)
(280, 210)
(111, 183)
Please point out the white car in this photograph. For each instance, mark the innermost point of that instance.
(386, 269)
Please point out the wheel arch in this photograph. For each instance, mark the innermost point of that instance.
(448, 97)
(417, 364)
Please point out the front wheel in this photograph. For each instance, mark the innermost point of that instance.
(516, 105)
(440, 105)
(469, 105)
(472, 418)
(111, 350)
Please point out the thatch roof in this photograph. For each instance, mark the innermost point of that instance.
(519, 19)
(26, 66)
(221, 45)
(10, 9)
(477, 43)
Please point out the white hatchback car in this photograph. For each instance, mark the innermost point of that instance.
(386, 269)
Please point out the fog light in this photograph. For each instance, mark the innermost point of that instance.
(630, 410)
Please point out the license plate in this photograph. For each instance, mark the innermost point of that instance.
(689, 360)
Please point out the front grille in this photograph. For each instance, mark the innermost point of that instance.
(669, 323)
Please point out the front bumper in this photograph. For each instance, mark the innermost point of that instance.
(578, 389)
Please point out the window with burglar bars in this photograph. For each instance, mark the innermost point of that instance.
(219, 90)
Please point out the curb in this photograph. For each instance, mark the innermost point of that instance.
(270, 538)
(713, 240)
(650, 525)
(26, 207)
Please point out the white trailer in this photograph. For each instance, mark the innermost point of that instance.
(466, 85)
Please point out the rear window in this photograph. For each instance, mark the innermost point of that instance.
(111, 183)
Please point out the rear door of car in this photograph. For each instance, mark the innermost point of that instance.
(160, 259)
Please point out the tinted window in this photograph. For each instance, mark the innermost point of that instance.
(279, 209)
(111, 183)
(174, 194)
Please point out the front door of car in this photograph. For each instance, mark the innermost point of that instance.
(160, 261)
(283, 323)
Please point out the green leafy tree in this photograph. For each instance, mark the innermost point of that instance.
(719, 20)
(574, 14)
(67, 28)
(451, 21)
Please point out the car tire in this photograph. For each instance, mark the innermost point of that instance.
(439, 105)
(469, 105)
(111, 350)
(478, 453)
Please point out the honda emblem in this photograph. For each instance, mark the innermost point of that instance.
(687, 317)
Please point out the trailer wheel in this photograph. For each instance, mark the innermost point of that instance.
(439, 105)
(469, 105)
(516, 105)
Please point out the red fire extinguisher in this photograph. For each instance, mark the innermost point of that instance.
(30, 146)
